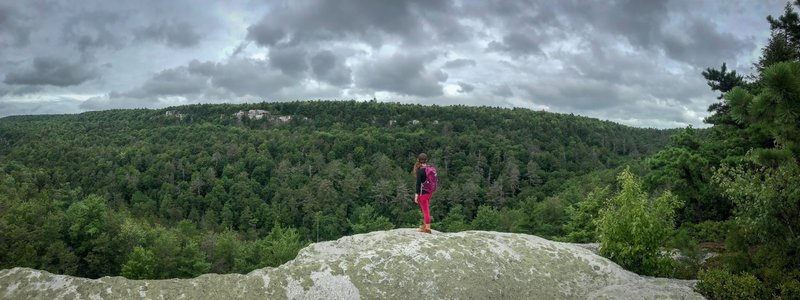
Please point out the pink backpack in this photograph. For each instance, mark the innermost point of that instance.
(430, 184)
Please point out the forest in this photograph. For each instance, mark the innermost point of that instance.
(221, 188)
(224, 188)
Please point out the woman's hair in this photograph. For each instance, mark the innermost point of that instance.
(421, 159)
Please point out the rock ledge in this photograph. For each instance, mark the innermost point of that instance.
(395, 264)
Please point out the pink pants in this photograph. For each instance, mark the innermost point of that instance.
(424, 201)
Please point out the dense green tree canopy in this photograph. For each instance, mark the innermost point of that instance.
(227, 188)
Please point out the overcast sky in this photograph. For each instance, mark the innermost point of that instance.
(636, 62)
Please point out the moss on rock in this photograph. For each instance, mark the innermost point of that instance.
(395, 264)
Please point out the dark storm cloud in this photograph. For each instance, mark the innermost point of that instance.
(177, 81)
(621, 60)
(465, 87)
(702, 44)
(55, 71)
(402, 74)
(25, 90)
(18, 90)
(517, 44)
(640, 22)
(459, 63)
(15, 27)
(265, 34)
(249, 77)
(235, 77)
(570, 94)
(290, 60)
(526, 27)
(649, 25)
(372, 22)
(92, 30)
(328, 68)
(173, 34)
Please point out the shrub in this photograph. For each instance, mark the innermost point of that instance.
(711, 231)
(721, 284)
(789, 289)
(632, 229)
(686, 264)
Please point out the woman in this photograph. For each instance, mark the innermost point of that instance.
(421, 196)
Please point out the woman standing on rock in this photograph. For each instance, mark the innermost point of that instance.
(424, 188)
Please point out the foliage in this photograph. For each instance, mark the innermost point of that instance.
(488, 218)
(369, 221)
(581, 227)
(204, 190)
(709, 231)
(683, 168)
(766, 199)
(141, 264)
(686, 254)
(282, 245)
(632, 228)
(455, 221)
(721, 284)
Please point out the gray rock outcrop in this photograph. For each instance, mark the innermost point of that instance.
(395, 264)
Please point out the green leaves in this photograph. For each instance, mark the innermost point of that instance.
(368, 220)
(141, 264)
(766, 199)
(165, 176)
(581, 227)
(632, 228)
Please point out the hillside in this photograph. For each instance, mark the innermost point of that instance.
(209, 179)
(389, 265)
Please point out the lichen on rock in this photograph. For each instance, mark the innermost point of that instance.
(395, 264)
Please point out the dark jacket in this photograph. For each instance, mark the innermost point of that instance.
(421, 177)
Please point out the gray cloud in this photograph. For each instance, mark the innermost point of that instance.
(579, 94)
(459, 63)
(51, 71)
(48, 106)
(265, 34)
(249, 77)
(236, 77)
(328, 68)
(465, 87)
(631, 61)
(518, 44)
(173, 34)
(116, 100)
(412, 21)
(648, 25)
(177, 81)
(92, 30)
(702, 44)
(15, 28)
(402, 74)
(290, 60)
(503, 91)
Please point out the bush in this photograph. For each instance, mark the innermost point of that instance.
(686, 264)
(789, 289)
(632, 229)
(721, 284)
(710, 231)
